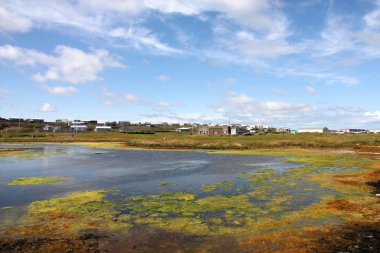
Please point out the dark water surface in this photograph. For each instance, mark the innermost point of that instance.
(132, 172)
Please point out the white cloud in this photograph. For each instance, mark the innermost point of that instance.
(239, 99)
(130, 97)
(265, 48)
(3, 92)
(345, 80)
(189, 117)
(337, 37)
(131, 7)
(142, 38)
(68, 64)
(251, 33)
(164, 104)
(278, 92)
(61, 90)
(262, 15)
(310, 89)
(372, 19)
(108, 98)
(12, 22)
(100, 19)
(162, 78)
(122, 21)
(46, 107)
(285, 107)
(226, 83)
(242, 104)
(373, 115)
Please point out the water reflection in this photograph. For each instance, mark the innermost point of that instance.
(130, 171)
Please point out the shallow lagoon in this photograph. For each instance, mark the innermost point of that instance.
(130, 171)
(187, 193)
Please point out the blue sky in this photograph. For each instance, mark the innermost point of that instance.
(280, 63)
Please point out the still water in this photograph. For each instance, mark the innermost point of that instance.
(132, 172)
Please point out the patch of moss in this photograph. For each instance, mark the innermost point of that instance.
(77, 211)
(36, 180)
(225, 186)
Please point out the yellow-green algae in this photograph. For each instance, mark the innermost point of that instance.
(36, 180)
(225, 185)
(11, 152)
(76, 211)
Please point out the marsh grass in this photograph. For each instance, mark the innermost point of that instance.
(173, 140)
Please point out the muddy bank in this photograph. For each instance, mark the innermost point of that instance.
(355, 238)
(147, 241)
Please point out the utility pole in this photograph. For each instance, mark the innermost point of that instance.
(19, 123)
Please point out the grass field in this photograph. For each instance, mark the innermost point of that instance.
(173, 140)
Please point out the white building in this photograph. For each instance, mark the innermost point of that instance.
(354, 131)
(184, 129)
(103, 129)
(78, 126)
(49, 128)
(310, 130)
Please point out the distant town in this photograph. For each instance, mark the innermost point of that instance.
(65, 125)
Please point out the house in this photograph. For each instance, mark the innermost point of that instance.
(50, 128)
(222, 130)
(354, 131)
(62, 121)
(216, 130)
(235, 130)
(184, 129)
(203, 130)
(34, 121)
(78, 126)
(93, 122)
(124, 123)
(16, 120)
(103, 129)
